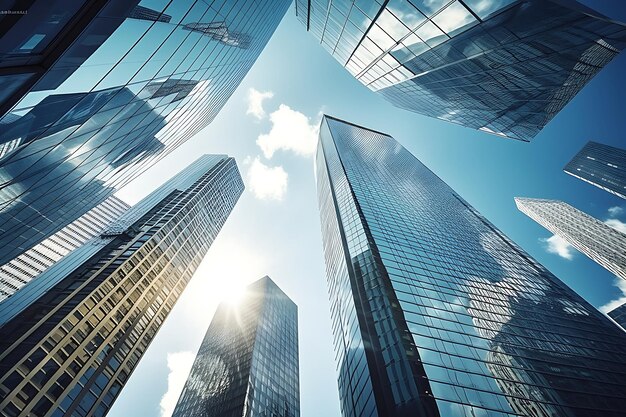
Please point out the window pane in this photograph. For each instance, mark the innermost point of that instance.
(390, 24)
(380, 38)
(406, 13)
(453, 17)
(430, 7)
(430, 34)
(484, 8)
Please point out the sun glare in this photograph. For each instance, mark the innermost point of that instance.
(229, 267)
(231, 292)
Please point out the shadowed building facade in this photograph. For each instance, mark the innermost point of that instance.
(161, 74)
(601, 165)
(506, 67)
(70, 339)
(435, 312)
(247, 365)
(599, 241)
(26, 267)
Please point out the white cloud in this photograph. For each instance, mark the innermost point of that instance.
(617, 225)
(291, 131)
(179, 364)
(621, 284)
(559, 246)
(615, 211)
(267, 183)
(255, 102)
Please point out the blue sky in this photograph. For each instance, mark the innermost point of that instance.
(274, 230)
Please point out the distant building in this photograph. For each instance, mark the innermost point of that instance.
(247, 365)
(164, 88)
(219, 31)
(435, 312)
(26, 267)
(70, 339)
(601, 165)
(127, 87)
(619, 315)
(506, 67)
(145, 13)
(597, 240)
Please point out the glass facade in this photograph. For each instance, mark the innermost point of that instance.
(162, 73)
(597, 240)
(247, 365)
(619, 315)
(70, 339)
(37, 36)
(601, 165)
(506, 67)
(43, 43)
(21, 270)
(435, 312)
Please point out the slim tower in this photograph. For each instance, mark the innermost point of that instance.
(505, 67)
(21, 270)
(601, 165)
(435, 311)
(597, 240)
(70, 339)
(247, 365)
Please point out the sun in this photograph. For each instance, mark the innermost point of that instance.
(232, 293)
(223, 275)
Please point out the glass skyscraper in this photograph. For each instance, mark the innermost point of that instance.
(43, 42)
(601, 165)
(506, 67)
(619, 315)
(70, 338)
(597, 240)
(21, 270)
(435, 312)
(247, 365)
(162, 72)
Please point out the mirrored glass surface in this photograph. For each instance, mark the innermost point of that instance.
(505, 67)
(454, 319)
(137, 80)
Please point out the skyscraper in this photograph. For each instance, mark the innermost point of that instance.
(70, 339)
(619, 315)
(601, 165)
(21, 270)
(506, 67)
(247, 365)
(143, 90)
(435, 311)
(42, 43)
(597, 240)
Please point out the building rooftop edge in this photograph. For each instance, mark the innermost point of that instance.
(327, 116)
